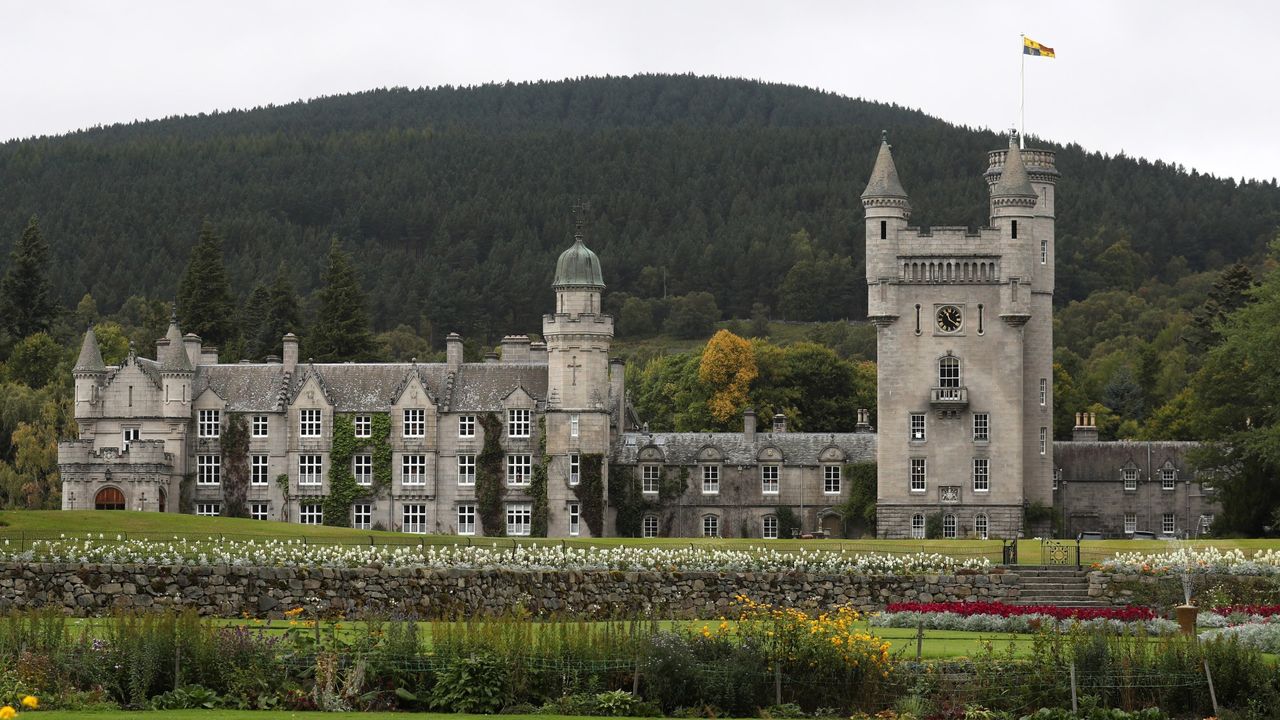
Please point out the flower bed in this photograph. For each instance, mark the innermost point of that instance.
(998, 609)
(1264, 637)
(1195, 561)
(286, 553)
(1265, 611)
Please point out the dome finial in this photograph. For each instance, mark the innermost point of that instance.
(578, 266)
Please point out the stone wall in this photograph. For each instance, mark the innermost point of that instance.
(1165, 591)
(90, 589)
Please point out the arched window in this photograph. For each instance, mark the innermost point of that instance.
(710, 526)
(770, 530)
(109, 498)
(949, 372)
(917, 526)
(948, 526)
(980, 526)
(649, 526)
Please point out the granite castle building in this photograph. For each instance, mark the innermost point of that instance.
(965, 408)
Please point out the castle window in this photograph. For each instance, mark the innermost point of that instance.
(258, 469)
(949, 526)
(981, 475)
(769, 529)
(259, 426)
(1130, 523)
(310, 469)
(1044, 251)
(649, 526)
(918, 483)
(981, 427)
(518, 423)
(917, 319)
(831, 479)
(649, 479)
(518, 469)
(362, 469)
(710, 479)
(916, 427)
(413, 470)
(769, 479)
(128, 435)
(1044, 392)
(917, 526)
(210, 424)
(1014, 229)
(1130, 479)
(363, 426)
(981, 329)
(258, 511)
(466, 519)
(311, 514)
(1167, 476)
(949, 372)
(711, 526)
(466, 469)
(1168, 524)
(309, 423)
(208, 509)
(573, 425)
(413, 518)
(981, 526)
(1044, 440)
(109, 498)
(208, 469)
(519, 518)
(466, 426)
(575, 468)
(575, 519)
(362, 516)
(415, 422)
(884, 229)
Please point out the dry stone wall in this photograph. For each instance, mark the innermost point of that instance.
(91, 589)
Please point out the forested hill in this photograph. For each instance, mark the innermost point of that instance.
(456, 201)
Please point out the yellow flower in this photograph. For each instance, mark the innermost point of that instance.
(293, 613)
(31, 702)
(7, 713)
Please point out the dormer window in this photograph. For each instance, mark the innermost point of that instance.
(518, 423)
(210, 424)
(309, 423)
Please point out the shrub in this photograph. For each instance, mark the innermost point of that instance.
(470, 684)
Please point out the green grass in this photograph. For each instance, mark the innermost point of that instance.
(269, 715)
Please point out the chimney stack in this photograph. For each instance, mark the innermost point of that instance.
(1086, 429)
(453, 351)
(749, 425)
(515, 349)
(161, 344)
(208, 355)
(290, 352)
(864, 421)
(191, 343)
(538, 353)
(618, 392)
(779, 423)
(491, 357)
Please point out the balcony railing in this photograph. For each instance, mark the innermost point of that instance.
(949, 397)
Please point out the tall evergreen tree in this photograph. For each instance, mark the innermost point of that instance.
(255, 323)
(341, 331)
(285, 314)
(205, 305)
(26, 294)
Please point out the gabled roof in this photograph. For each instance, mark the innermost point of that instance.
(1101, 460)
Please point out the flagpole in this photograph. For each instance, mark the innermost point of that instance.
(1022, 104)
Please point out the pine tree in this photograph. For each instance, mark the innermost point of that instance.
(205, 305)
(26, 294)
(285, 314)
(255, 323)
(341, 331)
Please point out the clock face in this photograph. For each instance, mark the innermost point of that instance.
(949, 318)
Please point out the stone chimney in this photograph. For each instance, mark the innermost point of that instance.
(273, 360)
(209, 355)
(515, 349)
(779, 423)
(290, 352)
(864, 421)
(453, 351)
(191, 342)
(1086, 429)
(618, 392)
(749, 425)
(491, 357)
(161, 344)
(538, 353)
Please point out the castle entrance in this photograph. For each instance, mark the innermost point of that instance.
(109, 498)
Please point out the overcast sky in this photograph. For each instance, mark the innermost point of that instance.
(1187, 82)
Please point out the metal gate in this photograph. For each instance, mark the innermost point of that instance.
(1060, 552)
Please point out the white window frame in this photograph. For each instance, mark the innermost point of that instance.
(1168, 479)
(466, 519)
(208, 509)
(650, 479)
(769, 527)
(413, 469)
(466, 426)
(770, 478)
(311, 513)
(1130, 477)
(259, 469)
(982, 427)
(1169, 524)
(519, 519)
(917, 526)
(575, 423)
(519, 469)
(363, 426)
(711, 525)
(1130, 523)
(128, 435)
(949, 372)
(949, 526)
(208, 470)
(1044, 440)
(467, 470)
(1044, 251)
(362, 469)
(518, 423)
(311, 470)
(649, 526)
(575, 468)
(918, 475)
(209, 424)
(711, 479)
(309, 424)
(981, 475)
(917, 429)
(259, 511)
(415, 423)
(260, 427)
(413, 518)
(981, 526)
(575, 519)
(362, 516)
(1044, 392)
(832, 479)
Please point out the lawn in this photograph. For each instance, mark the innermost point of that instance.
(270, 715)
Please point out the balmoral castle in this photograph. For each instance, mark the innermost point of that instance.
(964, 408)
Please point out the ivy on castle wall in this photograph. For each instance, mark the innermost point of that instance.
(538, 484)
(379, 443)
(343, 489)
(490, 487)
(235, 466)
(590, 493)
(629, 502)
(282, 482)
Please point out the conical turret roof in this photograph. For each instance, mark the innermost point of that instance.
(884, 180)
(578, 267)
(90, 359)
(1014, 180)
(175, 353)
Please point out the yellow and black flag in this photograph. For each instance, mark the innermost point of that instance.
(1031, 47)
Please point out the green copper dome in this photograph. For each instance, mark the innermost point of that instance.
(578, 267)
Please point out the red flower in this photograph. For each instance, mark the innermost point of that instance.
(1263, 610)
(1129, 613)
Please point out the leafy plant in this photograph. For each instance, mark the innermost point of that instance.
(470, 684)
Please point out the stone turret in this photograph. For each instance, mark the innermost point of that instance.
(89, 373)
(887, 211)
(176, 371)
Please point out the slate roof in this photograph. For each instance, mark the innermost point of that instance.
(1101, 461)
(1014, 180)
(884, 180)
(797, 448)
(174, 355)
(90, 359)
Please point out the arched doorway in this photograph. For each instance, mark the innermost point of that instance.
(164, 496)
(109, 498)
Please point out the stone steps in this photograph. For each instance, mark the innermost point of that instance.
(1058, 586)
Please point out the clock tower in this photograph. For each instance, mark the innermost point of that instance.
(965, 350)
